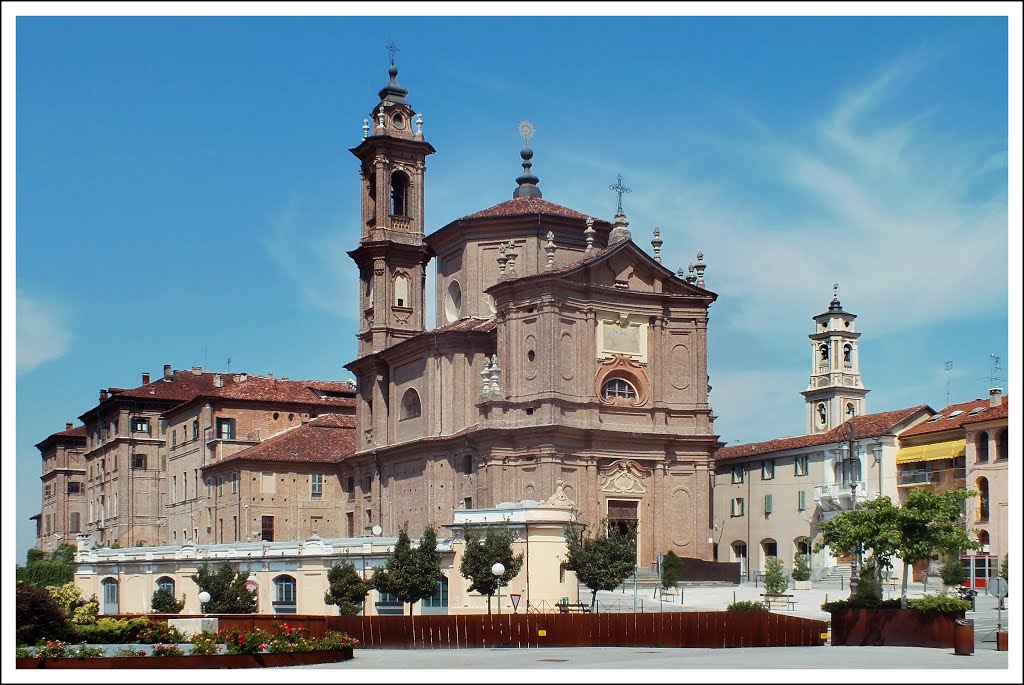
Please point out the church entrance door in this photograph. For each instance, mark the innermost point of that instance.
(624, 518)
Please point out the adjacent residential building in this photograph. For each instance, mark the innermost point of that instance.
(964, 445)
(63, 488)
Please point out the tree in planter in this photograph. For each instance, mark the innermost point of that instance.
(163, 601)
(601, 561)
(873, 527)
(774, 576)
(228, 593)
(930, 522)
(480, 556)
(411, 574)
(801, 567)
(346, 589)
(671, 570)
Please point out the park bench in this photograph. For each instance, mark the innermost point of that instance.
(577, 608)
(779, 601)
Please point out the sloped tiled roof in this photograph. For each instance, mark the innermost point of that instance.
(948, 422)
(71, 434)
(521, 206)
(326, 439)
(1000, 412)
(867, 426)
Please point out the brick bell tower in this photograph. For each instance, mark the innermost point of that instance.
(392, 256)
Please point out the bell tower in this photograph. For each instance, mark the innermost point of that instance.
(392, 256)
(835, 390)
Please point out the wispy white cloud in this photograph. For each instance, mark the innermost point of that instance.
(312, 253)
(42, 332)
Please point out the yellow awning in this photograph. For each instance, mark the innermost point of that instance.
(950, 449)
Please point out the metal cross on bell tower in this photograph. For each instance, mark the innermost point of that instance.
(619, 190)
(392, 49)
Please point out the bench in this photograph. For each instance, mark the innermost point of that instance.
(578, 608)
(779, 601)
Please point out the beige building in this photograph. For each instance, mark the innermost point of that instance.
(988, 461)
(562, 353)
(63, 488)
(290, 577)
(771, 497)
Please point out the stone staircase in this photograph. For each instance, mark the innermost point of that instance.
(837, 573)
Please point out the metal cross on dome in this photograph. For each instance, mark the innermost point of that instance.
(835, 290)
(392, 49)
(619, 190)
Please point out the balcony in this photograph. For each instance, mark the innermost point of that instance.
(838, 496)
(911, 477)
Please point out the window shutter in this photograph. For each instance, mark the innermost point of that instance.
(767, 504)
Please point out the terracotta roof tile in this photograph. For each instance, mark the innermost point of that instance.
(327, 439)
(72, 434)
(520, 206)
(948, 422)
(867, 426)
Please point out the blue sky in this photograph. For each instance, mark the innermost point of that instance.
(185, 194)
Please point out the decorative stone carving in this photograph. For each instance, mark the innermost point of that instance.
(621, 366)
(624, 477)
(559, 498)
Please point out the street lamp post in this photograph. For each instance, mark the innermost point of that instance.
(204, 597)
(848, 455)
(498, 570)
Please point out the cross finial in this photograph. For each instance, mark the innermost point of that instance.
(392, 49)
(619, 190)
(835, 290)
(526, 130)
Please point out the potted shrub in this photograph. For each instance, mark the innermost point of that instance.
(801, 572)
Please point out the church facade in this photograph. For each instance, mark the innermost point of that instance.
(564, 358)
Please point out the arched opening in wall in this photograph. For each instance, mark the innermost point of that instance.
(769, 548)
(850, 409)
(738, 550)
(981, 447)
(822, 415)
(401, 290)
(848, 354)
(802, 546)
(981, 485)
(1002, 445)
(399, 194)
(111, 597)
(983, 540)
(410, 405)
(453, 301)
(165, 583)
(823, 354)
(284, 594)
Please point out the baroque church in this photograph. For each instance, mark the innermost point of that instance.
(565, 361)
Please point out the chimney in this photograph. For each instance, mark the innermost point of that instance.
(69, 426)
(167, 370)
(145, 379)
(270, 374)
(218, 381)
(197, 370)
(103, 395)
(995, 397)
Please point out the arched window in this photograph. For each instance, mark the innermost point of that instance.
(618, 391)
(399, 193)
(983, 503)
(823, 351)
(410, 405)
(769, 548)
(847, 353)
(822, 414)
(401, 290)
(165, 583)
(983, 540)
(111, 596)
(284, 595)
(981, 447)
(802, 546)
(1002, 445)
(850, 409)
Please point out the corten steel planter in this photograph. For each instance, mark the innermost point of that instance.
(892, 628)
(210, 661)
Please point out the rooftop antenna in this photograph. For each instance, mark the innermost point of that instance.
(229, 364)
(993, 376)
(949, 367)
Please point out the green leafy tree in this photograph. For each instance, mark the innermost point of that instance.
(38, 615)
(346, 589)
(481, 555)
(931, 522)
(163, 601)
(774, 576)
(671, 570)
(873, 527)
(43, 570)
(600, 561)
(411, 574)
(801, 567)
(78, 610)
(952, 571)
(228, 594)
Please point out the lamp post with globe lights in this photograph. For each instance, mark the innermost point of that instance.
(204, 597)
(498, 570)
(849, 452)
